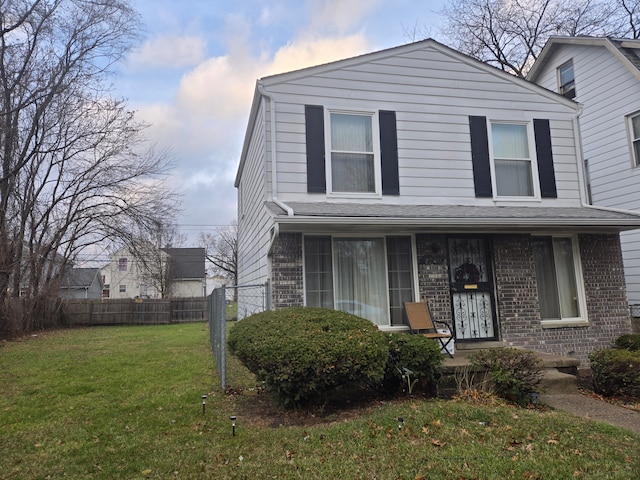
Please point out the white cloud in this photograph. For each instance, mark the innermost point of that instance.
(339, 15)
(172, 51)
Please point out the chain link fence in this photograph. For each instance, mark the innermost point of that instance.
(634, 311)
(251, 299)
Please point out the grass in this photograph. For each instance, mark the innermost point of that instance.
(125, 402)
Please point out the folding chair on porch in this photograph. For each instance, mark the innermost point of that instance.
(420, 323)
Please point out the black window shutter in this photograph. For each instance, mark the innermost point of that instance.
(546, 172)
(480, 156)
(314, 123)
(389, 153)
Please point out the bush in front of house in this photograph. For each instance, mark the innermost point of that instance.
(630, 341)
(413, 363)
(513, 374)
(310, 355)
(616, 372)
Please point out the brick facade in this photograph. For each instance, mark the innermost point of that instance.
(433, 275)
(517, 297)
(287, 287)
(516, 289)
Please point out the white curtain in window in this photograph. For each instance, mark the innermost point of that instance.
(511, 160)
(360, 283)
(566, 277)
(546, 278)
(352, 153)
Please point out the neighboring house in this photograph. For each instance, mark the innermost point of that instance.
(603, 75)
(418, 173)
(180, 272)
(187, 272)
(81, 283)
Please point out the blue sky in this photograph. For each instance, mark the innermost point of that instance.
(193, 74)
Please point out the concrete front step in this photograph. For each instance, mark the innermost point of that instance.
(555, 382)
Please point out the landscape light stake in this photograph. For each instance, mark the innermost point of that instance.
(233, 425)
(204, 403)
(400, 423)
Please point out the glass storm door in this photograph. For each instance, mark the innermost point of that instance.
(471, 283)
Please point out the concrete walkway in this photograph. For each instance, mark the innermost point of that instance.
(594, 409)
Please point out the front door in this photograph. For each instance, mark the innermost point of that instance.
(471, 283)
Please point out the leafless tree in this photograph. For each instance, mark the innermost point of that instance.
(510, 34)
(148, 248)
(221, 251)
(74, 166)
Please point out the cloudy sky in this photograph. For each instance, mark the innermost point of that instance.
(193, 75)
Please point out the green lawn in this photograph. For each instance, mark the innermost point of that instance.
(125, 402)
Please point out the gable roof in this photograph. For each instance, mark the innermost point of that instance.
(266, 82)
(627, 51)
(80, 277)
(187, 262)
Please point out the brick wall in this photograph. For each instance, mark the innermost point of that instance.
(517, 297)
(433, 275)
(286, 271)
(516, 290)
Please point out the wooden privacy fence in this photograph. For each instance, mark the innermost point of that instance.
(135, 311)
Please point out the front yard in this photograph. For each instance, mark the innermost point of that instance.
(125, 402)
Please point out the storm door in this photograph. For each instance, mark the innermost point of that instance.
(471, 284)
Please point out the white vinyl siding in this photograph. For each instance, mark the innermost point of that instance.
(609, 93)
(434, 149)
(253, 220)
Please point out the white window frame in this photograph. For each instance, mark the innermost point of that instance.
(635, 156)
(562, 87)
(375, 132)
(414, 266)
(533, 161)
(582, 302)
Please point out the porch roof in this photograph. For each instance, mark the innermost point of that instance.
(452, 217)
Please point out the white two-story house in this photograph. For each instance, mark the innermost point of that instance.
(419, 174)
(603, 75)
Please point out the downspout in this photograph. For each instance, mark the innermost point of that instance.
(274, 170)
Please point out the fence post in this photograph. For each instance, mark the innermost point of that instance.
(218, 332)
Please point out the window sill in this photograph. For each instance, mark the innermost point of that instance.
(565, 323)
(391, 329)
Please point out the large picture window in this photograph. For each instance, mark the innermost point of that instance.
(559, 287)
(512, 160)
(368, 277)
(353, 165)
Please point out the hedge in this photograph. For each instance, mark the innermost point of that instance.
(310, 355)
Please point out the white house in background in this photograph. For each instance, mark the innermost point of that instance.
(183, 270)
(418, 173)
(603, 75)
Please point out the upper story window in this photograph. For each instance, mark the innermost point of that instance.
(566, 80)
(122, 264)
(352, 153)
(512, 162)
(520, 163)
(634, 133)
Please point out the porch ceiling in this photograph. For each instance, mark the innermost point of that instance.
(360, 217)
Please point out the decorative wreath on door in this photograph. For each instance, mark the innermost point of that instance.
(467, 272)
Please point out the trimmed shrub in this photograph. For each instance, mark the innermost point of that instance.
(411, 357)
(629, 341)
(310, 355)
(513, 374)
(616, 372)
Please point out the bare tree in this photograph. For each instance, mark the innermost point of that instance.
(221, 251)
(74, 167)
(148, 248)
(510, 34)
